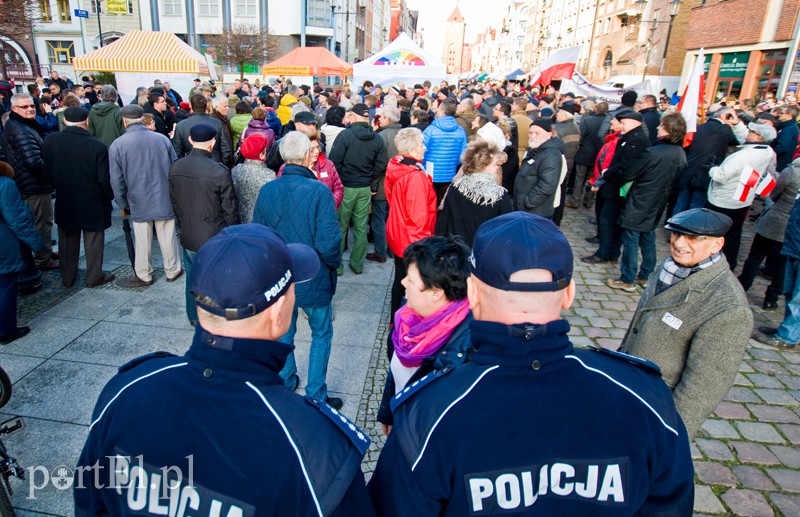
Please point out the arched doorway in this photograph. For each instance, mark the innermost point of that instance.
(608, 61)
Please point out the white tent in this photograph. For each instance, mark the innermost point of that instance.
(401, 61)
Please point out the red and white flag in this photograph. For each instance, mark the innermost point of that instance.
(766, 185)
(693, 98)
(558, 65)
(749, 180)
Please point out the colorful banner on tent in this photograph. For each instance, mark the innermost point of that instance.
(581, 87)
(117, 6)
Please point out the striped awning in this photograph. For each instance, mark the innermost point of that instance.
(144, 52)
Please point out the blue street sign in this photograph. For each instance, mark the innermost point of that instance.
(81, 13)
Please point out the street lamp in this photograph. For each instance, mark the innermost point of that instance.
(674, 7)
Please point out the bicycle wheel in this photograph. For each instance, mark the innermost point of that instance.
(5, 387)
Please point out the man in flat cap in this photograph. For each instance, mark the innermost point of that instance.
(140, 161)
(442, 460)
(215, 432)
(203, 198)
(543, 169)
(693, 319)
(78, 165)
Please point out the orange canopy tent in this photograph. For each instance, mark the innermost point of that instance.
(309, 61)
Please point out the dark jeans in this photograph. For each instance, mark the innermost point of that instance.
(380, 211)
(632, 242)
(690, 198)
(733, 239)
(609, 230)
(763, 247)
(8, 304)
(398, 292)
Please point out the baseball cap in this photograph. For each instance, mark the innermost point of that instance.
(516, 242)
(246, 268)
(699, 221)
(361, 110)
(766, 131)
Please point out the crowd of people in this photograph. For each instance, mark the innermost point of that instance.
(255, 192)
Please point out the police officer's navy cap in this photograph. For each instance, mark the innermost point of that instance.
(202, 133)
(700, 221)
(246, 268)
(516, 242)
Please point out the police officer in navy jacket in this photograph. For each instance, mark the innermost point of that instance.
(531, 425)
(215, 432)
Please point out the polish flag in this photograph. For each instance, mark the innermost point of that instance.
(749, 179)
(766, 185)
(558, 65)
(693, 98)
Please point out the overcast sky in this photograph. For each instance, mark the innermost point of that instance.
(433, 14)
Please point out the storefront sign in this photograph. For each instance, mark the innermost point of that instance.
(734, 64)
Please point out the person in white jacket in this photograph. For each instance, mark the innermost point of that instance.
(727, 194)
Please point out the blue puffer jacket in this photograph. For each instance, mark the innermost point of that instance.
(300, 208)
(444, 141)
(274, 122)
(16, 224)
(791, 239)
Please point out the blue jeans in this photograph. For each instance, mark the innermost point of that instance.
(690, 198)
(319, 319)
(632, 241)
(789, 329)
(380, 211)
(191, 304)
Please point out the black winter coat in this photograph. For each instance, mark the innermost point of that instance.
(629, 149)
(223, 152)
(202, 198)
(591, 143)
(652, 176)
(359, 155)
(22, 145)
(709, 147)
(652, 118)
(539, 177)
(77, 162)
(164, 121)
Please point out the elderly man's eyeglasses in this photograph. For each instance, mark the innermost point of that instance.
(690, 238)
(25, 106)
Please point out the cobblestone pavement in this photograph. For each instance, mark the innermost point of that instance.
(747, 457)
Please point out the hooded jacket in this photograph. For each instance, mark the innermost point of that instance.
(539, 178)
(105, 122)
(285, 108)
(359, 155)
(445, 141)
(412, 203)
(258, 127)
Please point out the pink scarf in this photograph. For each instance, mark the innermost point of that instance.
(416, 338)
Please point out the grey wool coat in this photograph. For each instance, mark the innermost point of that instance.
(696, 332)
(772, 222)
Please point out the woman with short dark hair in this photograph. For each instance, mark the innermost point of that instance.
(431, 331)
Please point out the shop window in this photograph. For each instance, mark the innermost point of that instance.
(61, 52)
(770, 71)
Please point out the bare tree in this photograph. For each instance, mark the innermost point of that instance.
(17, 20)
(243, 44)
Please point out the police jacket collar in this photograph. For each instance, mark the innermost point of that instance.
(521, 344)
(196, 151)
(239, 358)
